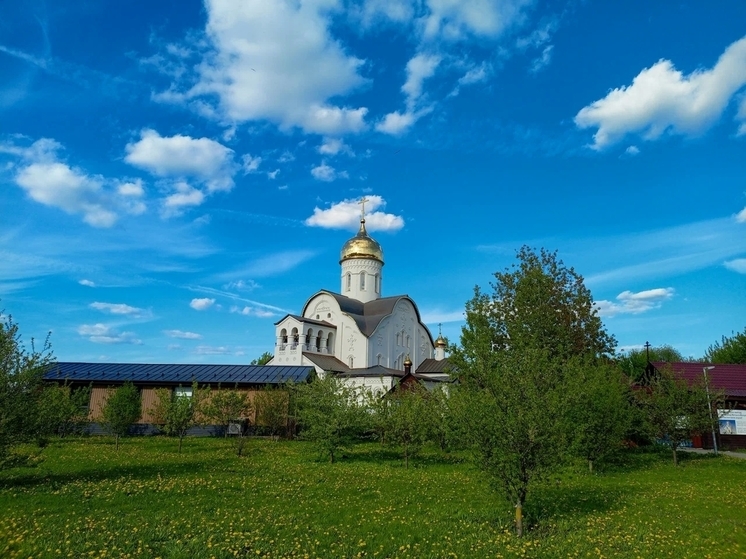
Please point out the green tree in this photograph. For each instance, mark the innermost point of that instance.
(60, 411)
(728, 350)
(513, 408)
(263, 359)
(272, 406)
(123, 408)
(409, 420)
(224, 406)
(600, 411)
(542, 304)
(178, 411)
(331, 414)
(676, 409)
(21, 382)
(513, 398)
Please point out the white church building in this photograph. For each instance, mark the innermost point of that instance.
(358, 334)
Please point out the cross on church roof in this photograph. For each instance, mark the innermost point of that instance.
(362, 202)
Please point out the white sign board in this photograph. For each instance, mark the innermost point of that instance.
(732, 422)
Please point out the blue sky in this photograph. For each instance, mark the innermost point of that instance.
(176, 176)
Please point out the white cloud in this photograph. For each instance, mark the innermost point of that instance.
(87, 283)
(250, 164)
(661, 99)
(180, 156)
(272, 175)
(185, 196)
(457, 19)
(133, 189)
(201, 304)
(632, 150)
(741, 116)
(741, 216)
(182, 335)
(333, 146)
(120, 309)
(52, 182)
(737, 265)
(542, 61)
(419, 68)
(346, 215)
(102, 334)
(275, 61)
(252, 311)
(327, 173)
(436, 316)
(635, 303)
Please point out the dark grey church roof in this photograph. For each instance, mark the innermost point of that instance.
(308, 320)
(326, 362)
(177, 374)
(368, 315)
(434, 366)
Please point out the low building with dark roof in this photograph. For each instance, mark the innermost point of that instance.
(731, 380)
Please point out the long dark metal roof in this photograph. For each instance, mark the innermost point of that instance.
(730, 378)
(177, 374)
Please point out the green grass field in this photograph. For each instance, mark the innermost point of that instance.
(83, 499)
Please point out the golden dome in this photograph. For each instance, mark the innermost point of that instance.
(440, 342)
(361, 246)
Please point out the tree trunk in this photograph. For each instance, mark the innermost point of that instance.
(331, 457)
(116, 441)
(406, 456)
(519, 518)
(590, 466)
(675, 458)
(181, 438)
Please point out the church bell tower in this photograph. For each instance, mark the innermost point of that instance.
(361, 260)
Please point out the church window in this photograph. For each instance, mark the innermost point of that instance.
(398, 338)
(362, 280)
(283, 338)
(378, 283)
(318, 340)
(349, 281)
(309, 335)
(378, 358)
(295, 337)
(350, 361)
(330, 343)
(407, 342)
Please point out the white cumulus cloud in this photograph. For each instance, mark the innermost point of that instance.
(458, 19)
(102, 334)
(181, 335)
(346, 215)
(201, 304)
(662, 99)
(327, 173)
(252, 311)
(741, 216)
(179, 156)
(275, 61)
(87, 283)
(120, 309)
(628, 302)
(49, 180)
(333, 146)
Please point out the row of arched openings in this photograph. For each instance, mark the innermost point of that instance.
(318, 341)
(376, 281)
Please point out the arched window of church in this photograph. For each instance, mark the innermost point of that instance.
(309, 336)
(318, 340)
(407, 342)
(398, 338)
(283, 338)
(378, 358)
(349, 281)
(295, 337)
(330, 343)
(378, 283)
(362, 280)
(350, 361)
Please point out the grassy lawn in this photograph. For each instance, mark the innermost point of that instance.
(83, 499)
